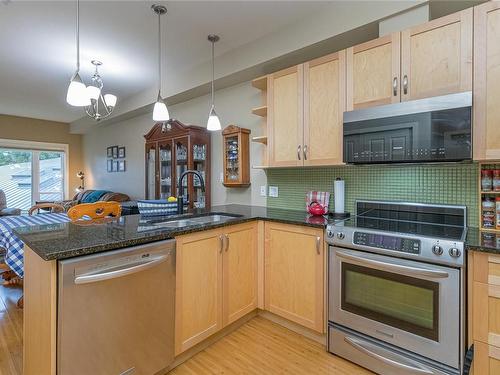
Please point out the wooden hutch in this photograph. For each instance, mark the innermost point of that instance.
(172, 148)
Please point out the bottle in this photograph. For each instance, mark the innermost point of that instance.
(486, 180)
(497, 210)
(488, 213)
(496, 180)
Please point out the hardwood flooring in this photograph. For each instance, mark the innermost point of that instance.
(259, 347)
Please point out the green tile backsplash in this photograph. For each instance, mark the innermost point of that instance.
(425, 183)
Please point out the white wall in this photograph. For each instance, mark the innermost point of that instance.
(233, 105)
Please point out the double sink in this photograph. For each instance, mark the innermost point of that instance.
(212, 218)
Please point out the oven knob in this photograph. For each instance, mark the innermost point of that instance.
(454, 252)
(340, 235)
(436, 249)
(330, 234)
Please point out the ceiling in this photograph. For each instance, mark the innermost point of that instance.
(37, 57)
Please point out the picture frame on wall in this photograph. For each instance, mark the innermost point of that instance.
(110, 165)
(121, 152)
(109, 152)
(115, 152)
(121, 166)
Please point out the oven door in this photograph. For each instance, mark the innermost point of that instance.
(412, 305)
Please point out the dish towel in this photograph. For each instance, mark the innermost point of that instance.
(322, 197)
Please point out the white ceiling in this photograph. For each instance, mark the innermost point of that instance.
(37, 53)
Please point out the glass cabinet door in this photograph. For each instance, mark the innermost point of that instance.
(181, 163)
(232, 158)
(150, 172)
(200, 165)
(165, 155)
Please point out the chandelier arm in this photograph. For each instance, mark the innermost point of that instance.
(108, 112)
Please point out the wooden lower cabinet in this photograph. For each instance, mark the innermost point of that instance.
(486, 359)
(294, 274)
(216, 275)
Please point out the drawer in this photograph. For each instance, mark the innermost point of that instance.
(486, 313)
(486, 359)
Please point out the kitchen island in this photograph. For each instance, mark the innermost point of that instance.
(224, 252)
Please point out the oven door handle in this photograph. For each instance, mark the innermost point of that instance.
(391, 267)
(357, 344)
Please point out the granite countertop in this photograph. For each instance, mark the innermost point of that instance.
(482, 241)
(67, 240)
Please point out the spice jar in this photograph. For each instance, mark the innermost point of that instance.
(497, 210)
(496, 180)
(489, 213)
(486, 180)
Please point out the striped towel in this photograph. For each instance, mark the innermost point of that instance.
(322, 197)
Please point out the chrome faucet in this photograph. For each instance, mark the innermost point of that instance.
(180, 189)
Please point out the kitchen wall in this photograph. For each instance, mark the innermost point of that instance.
(233, 105)
(29, 129)
(425, 183)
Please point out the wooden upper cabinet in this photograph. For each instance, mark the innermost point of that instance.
(198, 299)
(324, 105)
(487, 81)
(294, 274)
(373, 70)
(239, 271)
(285, 117)
(436, 57)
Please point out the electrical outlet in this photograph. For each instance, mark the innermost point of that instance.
(263, 191)
(273, 191)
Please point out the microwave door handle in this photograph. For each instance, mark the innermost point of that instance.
(403, 366)
(94, 277)
(391, 267)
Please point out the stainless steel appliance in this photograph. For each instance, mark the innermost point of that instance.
(396, 288)
(116, 311)
(427, 130)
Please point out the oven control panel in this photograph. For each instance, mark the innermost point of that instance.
(382, 241)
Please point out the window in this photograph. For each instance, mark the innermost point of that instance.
(28, 176)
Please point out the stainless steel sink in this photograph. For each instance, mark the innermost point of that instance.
(212, 218)
(195, 220)
(174, 223)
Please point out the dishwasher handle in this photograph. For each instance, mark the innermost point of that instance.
(138, 267)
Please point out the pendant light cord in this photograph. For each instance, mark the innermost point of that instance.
(213, 72)
(77, 35)
(159, 53)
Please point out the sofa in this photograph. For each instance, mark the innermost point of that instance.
(92, 196)
(4, 210)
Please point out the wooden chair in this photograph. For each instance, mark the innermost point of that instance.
(54, 208)
(98, 212)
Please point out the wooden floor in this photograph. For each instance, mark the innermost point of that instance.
(259, 347)
(263, 347)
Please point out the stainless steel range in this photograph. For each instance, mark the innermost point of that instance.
(396, 288)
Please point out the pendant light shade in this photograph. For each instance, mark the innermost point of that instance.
(160, 111)
(213, 123)
(77, 94)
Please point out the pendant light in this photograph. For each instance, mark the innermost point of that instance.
(160, 111)
(213, 122)
(77, 92)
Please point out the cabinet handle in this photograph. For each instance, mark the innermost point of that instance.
(318, 245)
(405, 84)
(227, 242)
(305, 152)
(298, 152)
(221, 239)
(395, 86)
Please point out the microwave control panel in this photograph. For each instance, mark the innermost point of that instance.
(381, 241)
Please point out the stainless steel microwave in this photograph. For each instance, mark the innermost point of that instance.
(427, 130)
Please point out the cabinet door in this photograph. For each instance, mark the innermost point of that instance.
(487, 81)
(198, 304)
(294, 274)
(436, 57)
(373, 70)
(239, 272)
(486, 313)
(324, 105)
(486, 359)
(285, 117)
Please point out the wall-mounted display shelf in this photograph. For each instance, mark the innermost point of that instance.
(260, 111)
(260, 139)
(261, 83)
(489, 192)
(236, 156)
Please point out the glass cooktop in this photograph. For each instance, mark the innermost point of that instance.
(447, 222)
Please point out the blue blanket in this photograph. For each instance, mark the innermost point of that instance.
(94, 196)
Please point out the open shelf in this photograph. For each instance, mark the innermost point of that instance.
(260, 83)
(260, 139)
(490, 192)
(260, 111)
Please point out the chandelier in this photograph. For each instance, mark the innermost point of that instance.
(101, 106)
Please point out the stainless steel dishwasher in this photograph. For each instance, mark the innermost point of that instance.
(116, 311)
